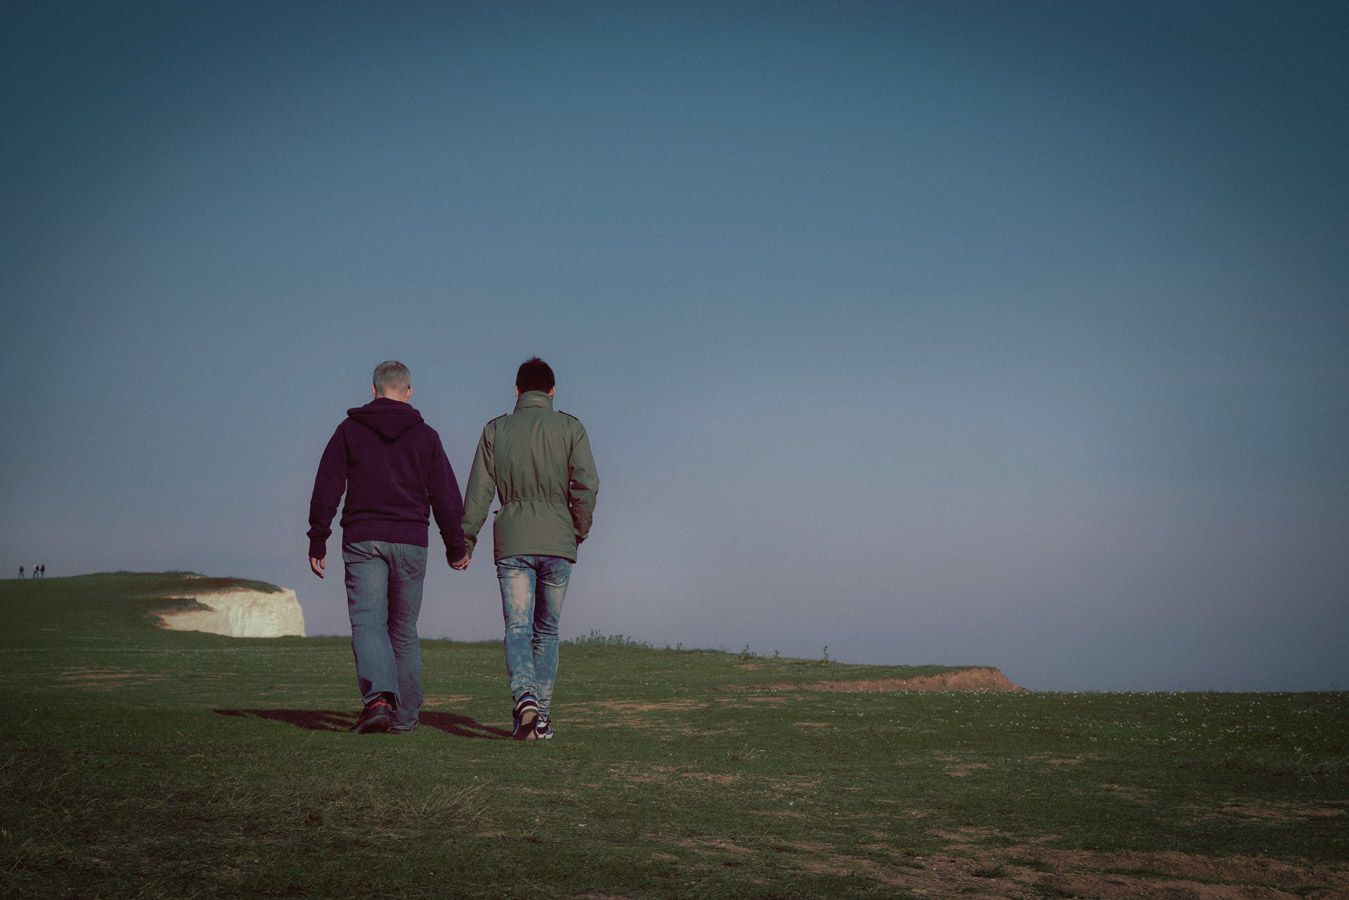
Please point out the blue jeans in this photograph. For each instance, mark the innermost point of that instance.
(532, 588)
(384, 598)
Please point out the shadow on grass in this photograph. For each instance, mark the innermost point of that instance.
(462, 726)
(327, 720)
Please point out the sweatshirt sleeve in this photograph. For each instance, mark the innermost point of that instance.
(583, 484)
(446, 504)
(481, 489)
(329, 485)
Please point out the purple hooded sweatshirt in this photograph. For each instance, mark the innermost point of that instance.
(393, 469)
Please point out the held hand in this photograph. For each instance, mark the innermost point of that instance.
(316, 565)
(462, 564)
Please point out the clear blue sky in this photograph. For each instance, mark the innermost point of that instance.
(966, 333)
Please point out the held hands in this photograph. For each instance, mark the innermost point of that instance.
(317, 565)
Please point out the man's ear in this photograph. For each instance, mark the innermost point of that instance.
(374, 394)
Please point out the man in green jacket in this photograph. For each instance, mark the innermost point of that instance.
(538, 462)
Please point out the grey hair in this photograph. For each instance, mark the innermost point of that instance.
(391, 375)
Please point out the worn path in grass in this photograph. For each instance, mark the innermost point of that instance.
(137, 761)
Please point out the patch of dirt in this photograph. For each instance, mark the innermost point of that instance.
(638, 706)
(1269, 811)
(106, 679)
(1061, 760)
(978, 679)
(666, 774)
(451, 700)
(708, 732)
(801, 846)
(1187, 875)
(969, 869)
(711, 846)
(955, 767)
(1130, 793)
(966, 837)
(758, 703)
(631, 713)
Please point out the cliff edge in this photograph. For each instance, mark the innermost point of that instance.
(239, 612)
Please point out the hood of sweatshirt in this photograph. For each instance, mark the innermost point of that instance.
(386, 418)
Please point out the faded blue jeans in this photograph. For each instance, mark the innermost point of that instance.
(532, 588)
(384, 598)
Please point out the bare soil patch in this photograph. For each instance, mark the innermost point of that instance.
(636, 706)
(969, 869)
(1061, 761)
(1270, 811)
(704, 847)
(633, 713)
(106, 679)
(451, 700)
(1130, 793)
(978, 679)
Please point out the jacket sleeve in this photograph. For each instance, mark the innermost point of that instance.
(442, 490)
(329, 485)
(583, 484)
(481, 489)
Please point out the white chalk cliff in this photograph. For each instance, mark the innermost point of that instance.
(240, 613)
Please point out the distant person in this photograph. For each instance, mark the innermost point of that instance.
(538, 462)
(393, 469)
(20, 573)
(42, 571)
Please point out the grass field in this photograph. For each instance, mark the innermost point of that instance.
(140, 762)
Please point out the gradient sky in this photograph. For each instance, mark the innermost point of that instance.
(965, 333)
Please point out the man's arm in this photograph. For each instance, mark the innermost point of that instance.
(583, 484)
(481, 488)
(329, 485)
(447, 505)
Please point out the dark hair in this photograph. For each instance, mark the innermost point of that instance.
(534, 375)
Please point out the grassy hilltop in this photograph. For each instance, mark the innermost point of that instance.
(137, 761)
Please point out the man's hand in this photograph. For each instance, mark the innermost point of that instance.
(462, 564)
(316, 565)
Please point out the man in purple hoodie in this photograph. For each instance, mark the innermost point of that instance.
(393, 469)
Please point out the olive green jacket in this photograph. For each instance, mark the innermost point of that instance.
(538, 463)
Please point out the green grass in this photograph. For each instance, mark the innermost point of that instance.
(142, 762)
